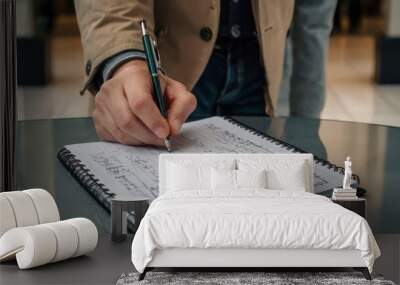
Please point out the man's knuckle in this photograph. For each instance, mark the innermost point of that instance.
(95, 115)
(192, 102)
(154, 124)
(106, 88)
(125, 123)
(180, 85)
(138, 103)
(98, 100)
(125, 140)
(101, 133)
(122, 137)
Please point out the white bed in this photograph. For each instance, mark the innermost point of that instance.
(193, 224)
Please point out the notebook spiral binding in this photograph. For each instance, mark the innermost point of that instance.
(293, 148)
(88, 181)
(85, 178)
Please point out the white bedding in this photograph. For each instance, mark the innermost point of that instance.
(252, 218)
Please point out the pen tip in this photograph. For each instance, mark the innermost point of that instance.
(167, 143)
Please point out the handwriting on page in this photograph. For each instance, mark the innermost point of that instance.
(128, 170)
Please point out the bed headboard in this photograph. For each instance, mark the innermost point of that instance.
(165, 159)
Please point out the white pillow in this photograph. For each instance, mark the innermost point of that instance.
(251, 179)
(183, 178)
(282, 174)
(226, 179)
(193, 175)
(223, 179)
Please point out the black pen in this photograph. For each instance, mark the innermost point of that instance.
(153, 63)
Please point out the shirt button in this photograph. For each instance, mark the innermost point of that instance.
(235, 31)
(88, 67)
(205, 34)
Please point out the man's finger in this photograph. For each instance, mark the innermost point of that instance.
(181, 103)
(145, 109)
(104, 134)
(127, 122)
(106, 120)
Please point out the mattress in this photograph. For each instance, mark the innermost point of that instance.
(250, 219)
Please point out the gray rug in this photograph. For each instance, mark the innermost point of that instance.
(233, 278)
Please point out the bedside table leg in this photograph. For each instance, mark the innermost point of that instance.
(364, 271)
(142, 275)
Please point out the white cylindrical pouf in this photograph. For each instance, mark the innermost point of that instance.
(26, 208)
(23, 208)
(7, 218)
(40, 244)
(45, 205)
(33, 246)
(87, 233)
(67, 239)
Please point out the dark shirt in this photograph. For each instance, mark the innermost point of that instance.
(236, 20)
(236, 23)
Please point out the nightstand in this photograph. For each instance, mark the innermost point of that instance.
(120, 208)
(358, 206)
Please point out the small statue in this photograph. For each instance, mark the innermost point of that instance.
(347, 174)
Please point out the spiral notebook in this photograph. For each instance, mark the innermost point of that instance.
(109, 169)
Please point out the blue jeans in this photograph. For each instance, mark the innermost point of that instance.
(232, 83)
(304, 71)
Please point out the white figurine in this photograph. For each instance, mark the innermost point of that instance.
(347, 174)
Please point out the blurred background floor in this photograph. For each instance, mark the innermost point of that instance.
(352, 95)
(60, 98)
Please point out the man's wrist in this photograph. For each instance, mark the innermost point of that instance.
(113, 63)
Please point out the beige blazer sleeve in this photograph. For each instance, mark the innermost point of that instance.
(108, 27)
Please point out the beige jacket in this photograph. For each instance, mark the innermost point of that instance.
(182, 29)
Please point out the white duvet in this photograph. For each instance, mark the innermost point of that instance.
(250, 219)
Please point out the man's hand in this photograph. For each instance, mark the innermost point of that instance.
(125, 111)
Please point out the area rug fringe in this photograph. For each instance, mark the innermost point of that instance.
(244, 278)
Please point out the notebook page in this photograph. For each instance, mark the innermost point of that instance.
(133, 171)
